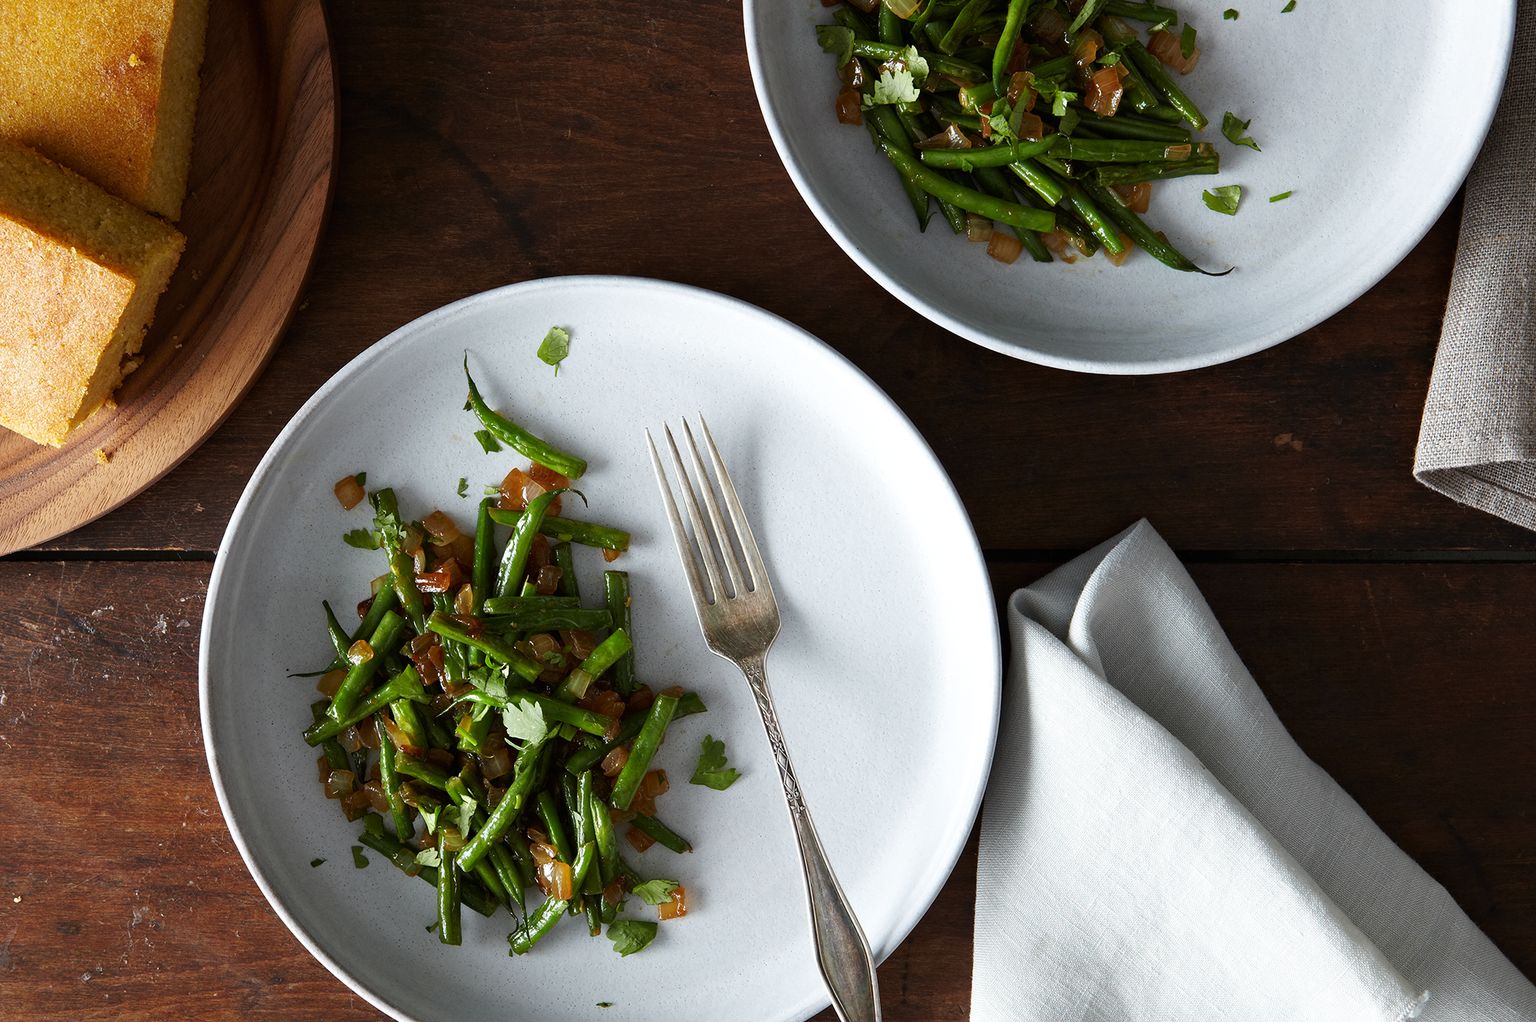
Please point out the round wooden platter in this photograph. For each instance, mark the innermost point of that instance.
(262, 164)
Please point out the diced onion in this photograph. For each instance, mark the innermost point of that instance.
(1104, 92)
(377, 800)
(1166, 47)
(903, 9)
(1031, 128)
(1059, 245)
(441, 528)
(639, 839)
(349, 492)
(612, 555)
(1119, 260)
(329, 682)
(950, 138)
(359, 652)
(1051, 27)
(355, 805)
(555, 880)
(1138, 197)
(1021, 84)
(674, 907)
(1004, 247)
(1086, 49)
(1178, 152)
(977, 228)
(324, 765)
(615, 760)
(850, 107)
(495, 759)
(853, 75)
(340, 783)
(654, 783)
(548, 581)
(464, 600)
(641, 699)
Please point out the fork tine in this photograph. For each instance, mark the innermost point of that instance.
(679, 533)
(755, 563)
(727, 552)
(696, 519)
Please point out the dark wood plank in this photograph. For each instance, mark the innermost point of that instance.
(471, 157)
(123, 897)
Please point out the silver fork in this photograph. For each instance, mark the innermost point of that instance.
(739, 622)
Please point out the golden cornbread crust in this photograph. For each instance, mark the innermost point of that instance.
(106, 87)
(80, 271)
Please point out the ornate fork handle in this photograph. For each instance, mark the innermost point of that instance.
(846, 963)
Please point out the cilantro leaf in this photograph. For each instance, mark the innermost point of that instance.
(655, 892)
(466, 815)
(1288, 8)
(361, 479)
(430, 816)
(836, 40)
(1233, 127)
(1187, 40)
(316, 862)
(1230, 14)
(524, 721)
(894, 86)
(488, 443)
(555, 346)
(386, 519)
(1224, 199)
(1088, 13)
(711, 770)
(358, 858)
(631, 935)
(605, 1004)
(1281, 197)
(429, 857)
(463, 487)
(363, 539)
(916, 63)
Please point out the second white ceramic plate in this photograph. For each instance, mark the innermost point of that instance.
(1369, 112)
(886, 673)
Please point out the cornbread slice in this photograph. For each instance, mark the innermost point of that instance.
(80, 271)
(106, 87)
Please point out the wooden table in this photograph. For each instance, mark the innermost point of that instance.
(484, 143)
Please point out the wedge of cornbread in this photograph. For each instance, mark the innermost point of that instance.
(106, 87)
(80, 271)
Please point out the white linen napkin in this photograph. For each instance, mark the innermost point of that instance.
(1155, 846)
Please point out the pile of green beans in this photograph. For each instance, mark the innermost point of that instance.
(983, 109)
(487, 726)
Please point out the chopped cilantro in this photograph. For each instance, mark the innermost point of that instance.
(313, 863)
(488, 443)
(1230, 14)
(1187, 40)
(1090, 10)
(1069, 121)
(429, 817)
(361, 479)
(363, 539)
(1288, 8)
(1281, 197)
(1224, 199)
(605, 1004)
(655, 892)
(894, 86)
(524, 722)
(1110, 58)
(1233, 127)
(463, 487)
(358, 858)
(836, 40)
(429, 857)
(631, 935)
(555, 346)
(711, 770)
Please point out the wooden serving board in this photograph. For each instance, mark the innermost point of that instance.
(262, 164)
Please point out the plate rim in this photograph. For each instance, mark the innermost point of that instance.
(308, 123)
(1483, 117)
(933, 879)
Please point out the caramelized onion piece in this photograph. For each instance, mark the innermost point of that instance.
(1165, 46)
(674, 907)
(1004, 247)
(349, 491)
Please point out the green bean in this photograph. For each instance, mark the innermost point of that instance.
(661, 833)
(992, 182)
(1159, 78)
(384, 641)
(536, 926)
(423, 771)
(514, 559)
(563, 713)
(335, 755)
(988, 156)
(1018, 10)
(450, 628)
(505, 812)
(515, 606)
(1135, 173)
(550, 619)
(485, 553)
(339, 638)
(554, 826)
(566, 562)
(405, 685)
(937, 62)
(883, 122)
(1142, 97)
(606, 654)
(970, 199)
(1040, 182)
(447, 899)
(1124, 150)
(1154, 244)
(405, 860)
(616, 593)
(408, 720)
(889, 25)
(390, 782)
(962, 25)
(590, 756)
(384, 601)
(640, 752)
(1141, 11)
(518, 438)
(1125, 125)
(603, 835)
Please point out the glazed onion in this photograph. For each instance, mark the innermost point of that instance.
(349, 491)
(1004, 247)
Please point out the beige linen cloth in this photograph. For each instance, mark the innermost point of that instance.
(1156, 848)
(1477, 444)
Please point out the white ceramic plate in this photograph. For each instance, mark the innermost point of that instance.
(1370, 114)
(886, 673)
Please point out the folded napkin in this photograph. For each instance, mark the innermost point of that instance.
(1477, 443)
(1154, 845)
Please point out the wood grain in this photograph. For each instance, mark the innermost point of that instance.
(260, 182)
(467, 164)
(123, 897)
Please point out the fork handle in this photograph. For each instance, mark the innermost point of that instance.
(841, 950)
